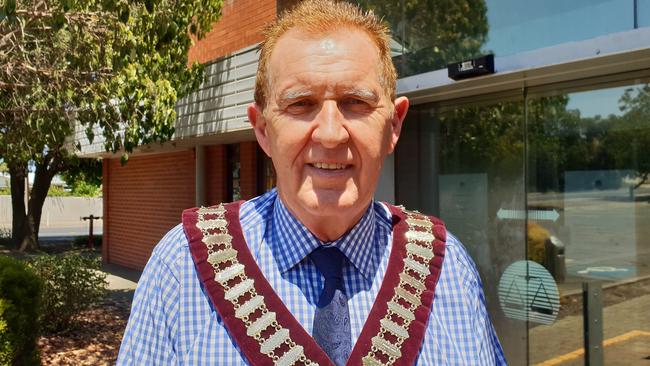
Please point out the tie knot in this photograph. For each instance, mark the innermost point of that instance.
(329, 261)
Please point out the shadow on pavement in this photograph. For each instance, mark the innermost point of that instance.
(122, 282)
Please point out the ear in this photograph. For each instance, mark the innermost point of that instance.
(256, 117)
(401, 108)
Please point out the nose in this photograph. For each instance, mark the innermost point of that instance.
(330, 130)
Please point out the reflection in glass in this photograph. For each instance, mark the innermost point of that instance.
(643, 13)
(591, 171)
(428, 35)
(562, 180)
(518, 26)
(433, 33)
(464, 165)
(234, 167)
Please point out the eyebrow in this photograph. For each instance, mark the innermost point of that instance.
(362, 93)
(289, 95)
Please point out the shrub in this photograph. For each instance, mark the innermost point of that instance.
(6, 351)
(56, 191)
(20, 303)
(82, 241)
(72, 283)
(85, 189)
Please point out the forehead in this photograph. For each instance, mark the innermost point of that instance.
(340, 56)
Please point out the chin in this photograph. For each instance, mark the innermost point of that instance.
(331, 202)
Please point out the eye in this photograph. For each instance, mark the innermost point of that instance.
(301, 103)
(355, 105)
(353, 101)
(300, 106)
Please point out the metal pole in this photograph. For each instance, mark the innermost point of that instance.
(592, 308)
(91, 239)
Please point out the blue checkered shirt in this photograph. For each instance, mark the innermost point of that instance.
(173, 322)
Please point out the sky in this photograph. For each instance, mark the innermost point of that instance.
(521, 25)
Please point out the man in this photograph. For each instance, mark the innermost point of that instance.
(315, 272)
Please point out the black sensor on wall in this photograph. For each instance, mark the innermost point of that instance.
(483, 65)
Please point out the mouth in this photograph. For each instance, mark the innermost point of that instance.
(329, 166)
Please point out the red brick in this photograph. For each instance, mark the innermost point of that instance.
(231, 32)
(142, 201)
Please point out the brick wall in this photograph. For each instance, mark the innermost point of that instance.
(142, 201)
(215, 174)
(239, 26)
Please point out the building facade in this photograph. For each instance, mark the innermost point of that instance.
(541, 168)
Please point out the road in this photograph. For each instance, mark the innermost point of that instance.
(68, 231)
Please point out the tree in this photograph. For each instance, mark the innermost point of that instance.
(115, 66)
(629, 138)
(433, 32)
(83, 176)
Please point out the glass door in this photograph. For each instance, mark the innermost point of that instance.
(464, 163)
(549, 190)
(589, 219)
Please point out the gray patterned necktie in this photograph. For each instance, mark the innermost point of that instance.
(332, 318)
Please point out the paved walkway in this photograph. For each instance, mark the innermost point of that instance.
(122, 281)
(626, 328)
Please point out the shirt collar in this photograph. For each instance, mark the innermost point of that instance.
(292, 241)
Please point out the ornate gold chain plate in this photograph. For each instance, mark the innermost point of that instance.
(240, 290)
(394, 325)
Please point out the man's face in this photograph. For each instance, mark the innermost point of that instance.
(328, 124)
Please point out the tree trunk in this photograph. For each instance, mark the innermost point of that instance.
(29, 240)
(26, 223)
(42, 181)
(17, 174)
(644, 178)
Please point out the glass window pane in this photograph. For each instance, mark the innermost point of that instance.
(516, 26)
(234, 165)
(589, 216)
(427, 35)
(643, 13)
(465, 164)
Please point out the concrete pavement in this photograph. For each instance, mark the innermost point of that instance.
(121, 281)
(626, 328)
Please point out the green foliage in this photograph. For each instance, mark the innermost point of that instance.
(491, 138)
(79, 189)
(73, 283)
(56, 191)
(117, 65)
(86, 189)
(20, 304)
(628, 141)
(86, 171)
(109, 67)
(5, 191)
(6, 350)
(433, 33)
